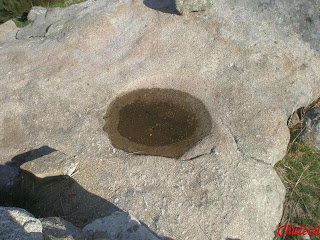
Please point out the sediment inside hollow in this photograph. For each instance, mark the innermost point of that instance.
(164, 122)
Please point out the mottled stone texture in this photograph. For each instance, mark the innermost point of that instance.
(119, 225)
(52, 164)
(55, 228)
(186, 6)
(17, 223)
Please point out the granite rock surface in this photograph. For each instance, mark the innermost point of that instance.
(54, 164)
(252, 63)
(186, 6)
(17, 223)
(120, 225)
(55, 228)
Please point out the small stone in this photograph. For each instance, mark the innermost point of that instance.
(186, 6)
(53, 164)
(35, 11)
(305, 236)
(58, 228)
(311, 125)
(17, 223)
(294, 119)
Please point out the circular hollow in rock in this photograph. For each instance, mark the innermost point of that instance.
(157, 121)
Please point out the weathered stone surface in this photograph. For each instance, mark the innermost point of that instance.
(8, 30)
(47, 22)
(311, 125)
(53, 164)
(119, 225)
(55, 228)
(8, 27)
(17, 223)
(35, 11)
(99, 235)
(186, 6)
(251, 63)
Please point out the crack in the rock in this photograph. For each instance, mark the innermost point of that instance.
(195, 157)
(236, 140)
(212, 151)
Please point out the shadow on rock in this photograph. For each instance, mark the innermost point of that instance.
(52, 196)
(9, 172)
(165, 6)
(58, 196)
(31, 155)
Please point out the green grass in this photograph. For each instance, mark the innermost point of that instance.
(21, 23)
(66, 4)
(299, 171)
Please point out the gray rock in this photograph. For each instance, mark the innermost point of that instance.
(100, 235)
(55, 228)
(294, 119)
(311, 125)
(187, 6)
(46, 22)
(119, 225)
(7, 27)
(36, 11)
(17, 223)
(53, 164)
(248, 62)
(8, 30)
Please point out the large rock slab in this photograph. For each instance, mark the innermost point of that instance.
(17, 223)
(251, 63)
